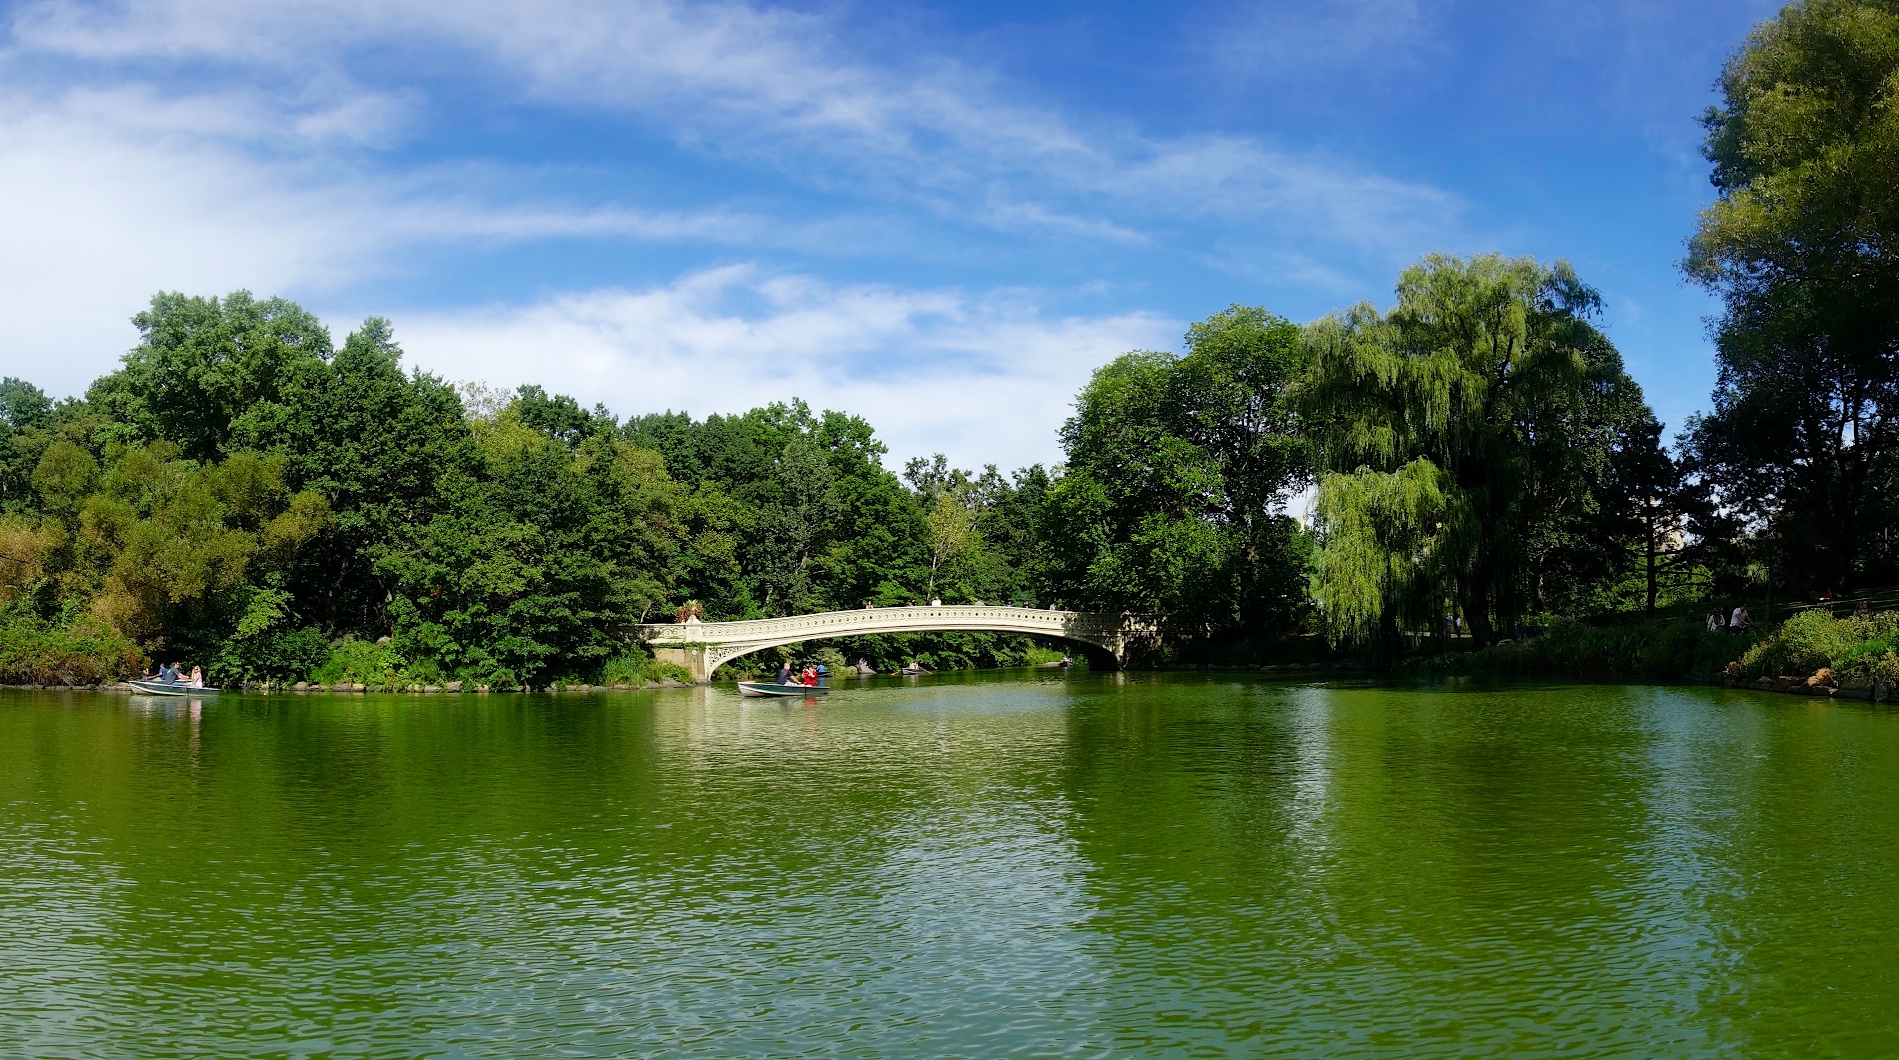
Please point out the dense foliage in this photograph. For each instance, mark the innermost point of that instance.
(1803, 248)
(1854, 649)
(1675, 648)
(1178, 471)
(1469, 440)
(245, 495)
(1813, 647)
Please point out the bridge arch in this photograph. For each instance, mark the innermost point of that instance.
(702, 647)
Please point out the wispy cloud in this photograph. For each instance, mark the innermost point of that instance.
(1284, 41)
(982, 378)
(114, 194)
(773, 88)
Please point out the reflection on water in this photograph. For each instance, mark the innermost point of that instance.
(1045, 863)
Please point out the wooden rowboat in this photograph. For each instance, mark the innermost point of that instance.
(173, 688)
(771, 688)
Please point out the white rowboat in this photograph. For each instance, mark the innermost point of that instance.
(173, 688)
(768, 688)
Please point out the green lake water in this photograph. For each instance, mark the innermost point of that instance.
(1087, 865)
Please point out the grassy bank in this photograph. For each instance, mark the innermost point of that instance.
(1856, 651)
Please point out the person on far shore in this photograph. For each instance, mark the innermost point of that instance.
(1740, 620)
(1714, 622)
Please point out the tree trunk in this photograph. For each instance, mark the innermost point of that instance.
(1651, 558)
(1477, 609)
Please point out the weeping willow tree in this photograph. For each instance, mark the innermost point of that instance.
(1453, 431)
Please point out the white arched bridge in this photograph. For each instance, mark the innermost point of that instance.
(703, 647)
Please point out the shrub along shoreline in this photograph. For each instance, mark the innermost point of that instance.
(1811, 653)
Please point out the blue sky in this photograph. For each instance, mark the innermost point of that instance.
(938, 216)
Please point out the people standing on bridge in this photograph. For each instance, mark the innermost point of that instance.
(936, 601)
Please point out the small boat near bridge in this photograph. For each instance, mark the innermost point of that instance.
(772, 688)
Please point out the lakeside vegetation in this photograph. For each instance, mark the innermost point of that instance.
(247, 493)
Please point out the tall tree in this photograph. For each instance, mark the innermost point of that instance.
(1651, 502)
(377, 444)
(1447, 428)
(1232, 387)
(203, 362)
(1802, 245)
(1178, 468)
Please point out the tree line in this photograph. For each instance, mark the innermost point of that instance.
(243, 490)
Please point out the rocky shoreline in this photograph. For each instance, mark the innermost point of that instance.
(1819, 684)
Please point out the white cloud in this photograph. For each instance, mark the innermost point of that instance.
(113, 195)
(107, 204)
(774, 87)
(985, 379)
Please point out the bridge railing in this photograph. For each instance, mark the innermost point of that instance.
(948, 616)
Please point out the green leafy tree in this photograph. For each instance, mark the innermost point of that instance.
(24, 410)
(165, 549)
(377, 444)
(800, 511)
(953, 502)
(545, 556)
(201, 363)
(1802, 245)
(1447, 431)
(1178, 470)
